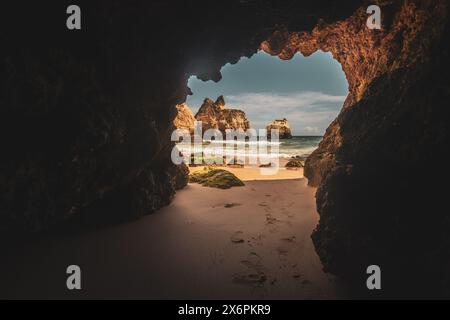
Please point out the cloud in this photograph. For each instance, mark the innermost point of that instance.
(308, 112)
(312, 130)
(290, 100)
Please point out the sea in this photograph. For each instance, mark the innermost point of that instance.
(298, 146)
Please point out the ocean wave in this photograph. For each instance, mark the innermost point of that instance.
(296, 147)
(238, 142)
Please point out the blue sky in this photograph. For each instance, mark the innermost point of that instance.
(308, 91)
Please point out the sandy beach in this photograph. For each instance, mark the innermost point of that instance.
(249, 242)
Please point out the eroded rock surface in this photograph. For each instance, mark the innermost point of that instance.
(185, 118)
(215, 115)
(380, 163)
(86, 117)
(282, 125)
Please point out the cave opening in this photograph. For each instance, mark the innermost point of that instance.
(261, 213)
(86, 125)
(298, 97)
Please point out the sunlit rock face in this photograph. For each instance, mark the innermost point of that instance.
(215, 115)
(282, 125)
(365, 55)
(184, 118)
(381, 162)
(86, 117)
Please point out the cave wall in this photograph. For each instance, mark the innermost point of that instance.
(86, 115)
(380, 167)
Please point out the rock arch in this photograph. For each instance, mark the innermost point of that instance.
(85, 115)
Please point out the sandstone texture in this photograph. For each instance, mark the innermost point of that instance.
(282, 125)
(380, 163)
(185, 118)
(214, 115)
(294, 163)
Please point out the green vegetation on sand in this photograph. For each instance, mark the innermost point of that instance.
(216, 178)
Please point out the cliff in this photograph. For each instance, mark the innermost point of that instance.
(184, 118)
(214, 115)
(282, 125)
(371, 204)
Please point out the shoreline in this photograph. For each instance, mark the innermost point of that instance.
(251, 173)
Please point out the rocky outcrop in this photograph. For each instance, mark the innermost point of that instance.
(371, 205)
(180, 176)
(184, 118)
(216, 178)
(214, 115)
(282, 125)
(295, 164)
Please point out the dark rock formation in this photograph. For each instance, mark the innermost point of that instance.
(86, 117)
(294, 164)
(184, 118)
(377, 204)
(282, 125)
(214, 115)
(180, 176)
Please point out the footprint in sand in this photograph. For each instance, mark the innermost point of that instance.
(254, 274)
(306, 282)
(282, 251)
(286, 212)
(258, 239)
(254, 279)
(289, 239)
(237, 237)
(270, 219)
(253, 260)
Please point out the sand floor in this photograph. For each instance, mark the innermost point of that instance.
(250, 242)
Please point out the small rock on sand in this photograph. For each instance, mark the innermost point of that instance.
(216, 178)
(231, 205)
(294, 164)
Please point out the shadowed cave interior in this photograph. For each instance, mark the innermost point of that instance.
(85, 118)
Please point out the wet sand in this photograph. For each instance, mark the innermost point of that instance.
(250, 242)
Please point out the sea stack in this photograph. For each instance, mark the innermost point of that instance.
(282, 125)
(184, 118)
(215, 115)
